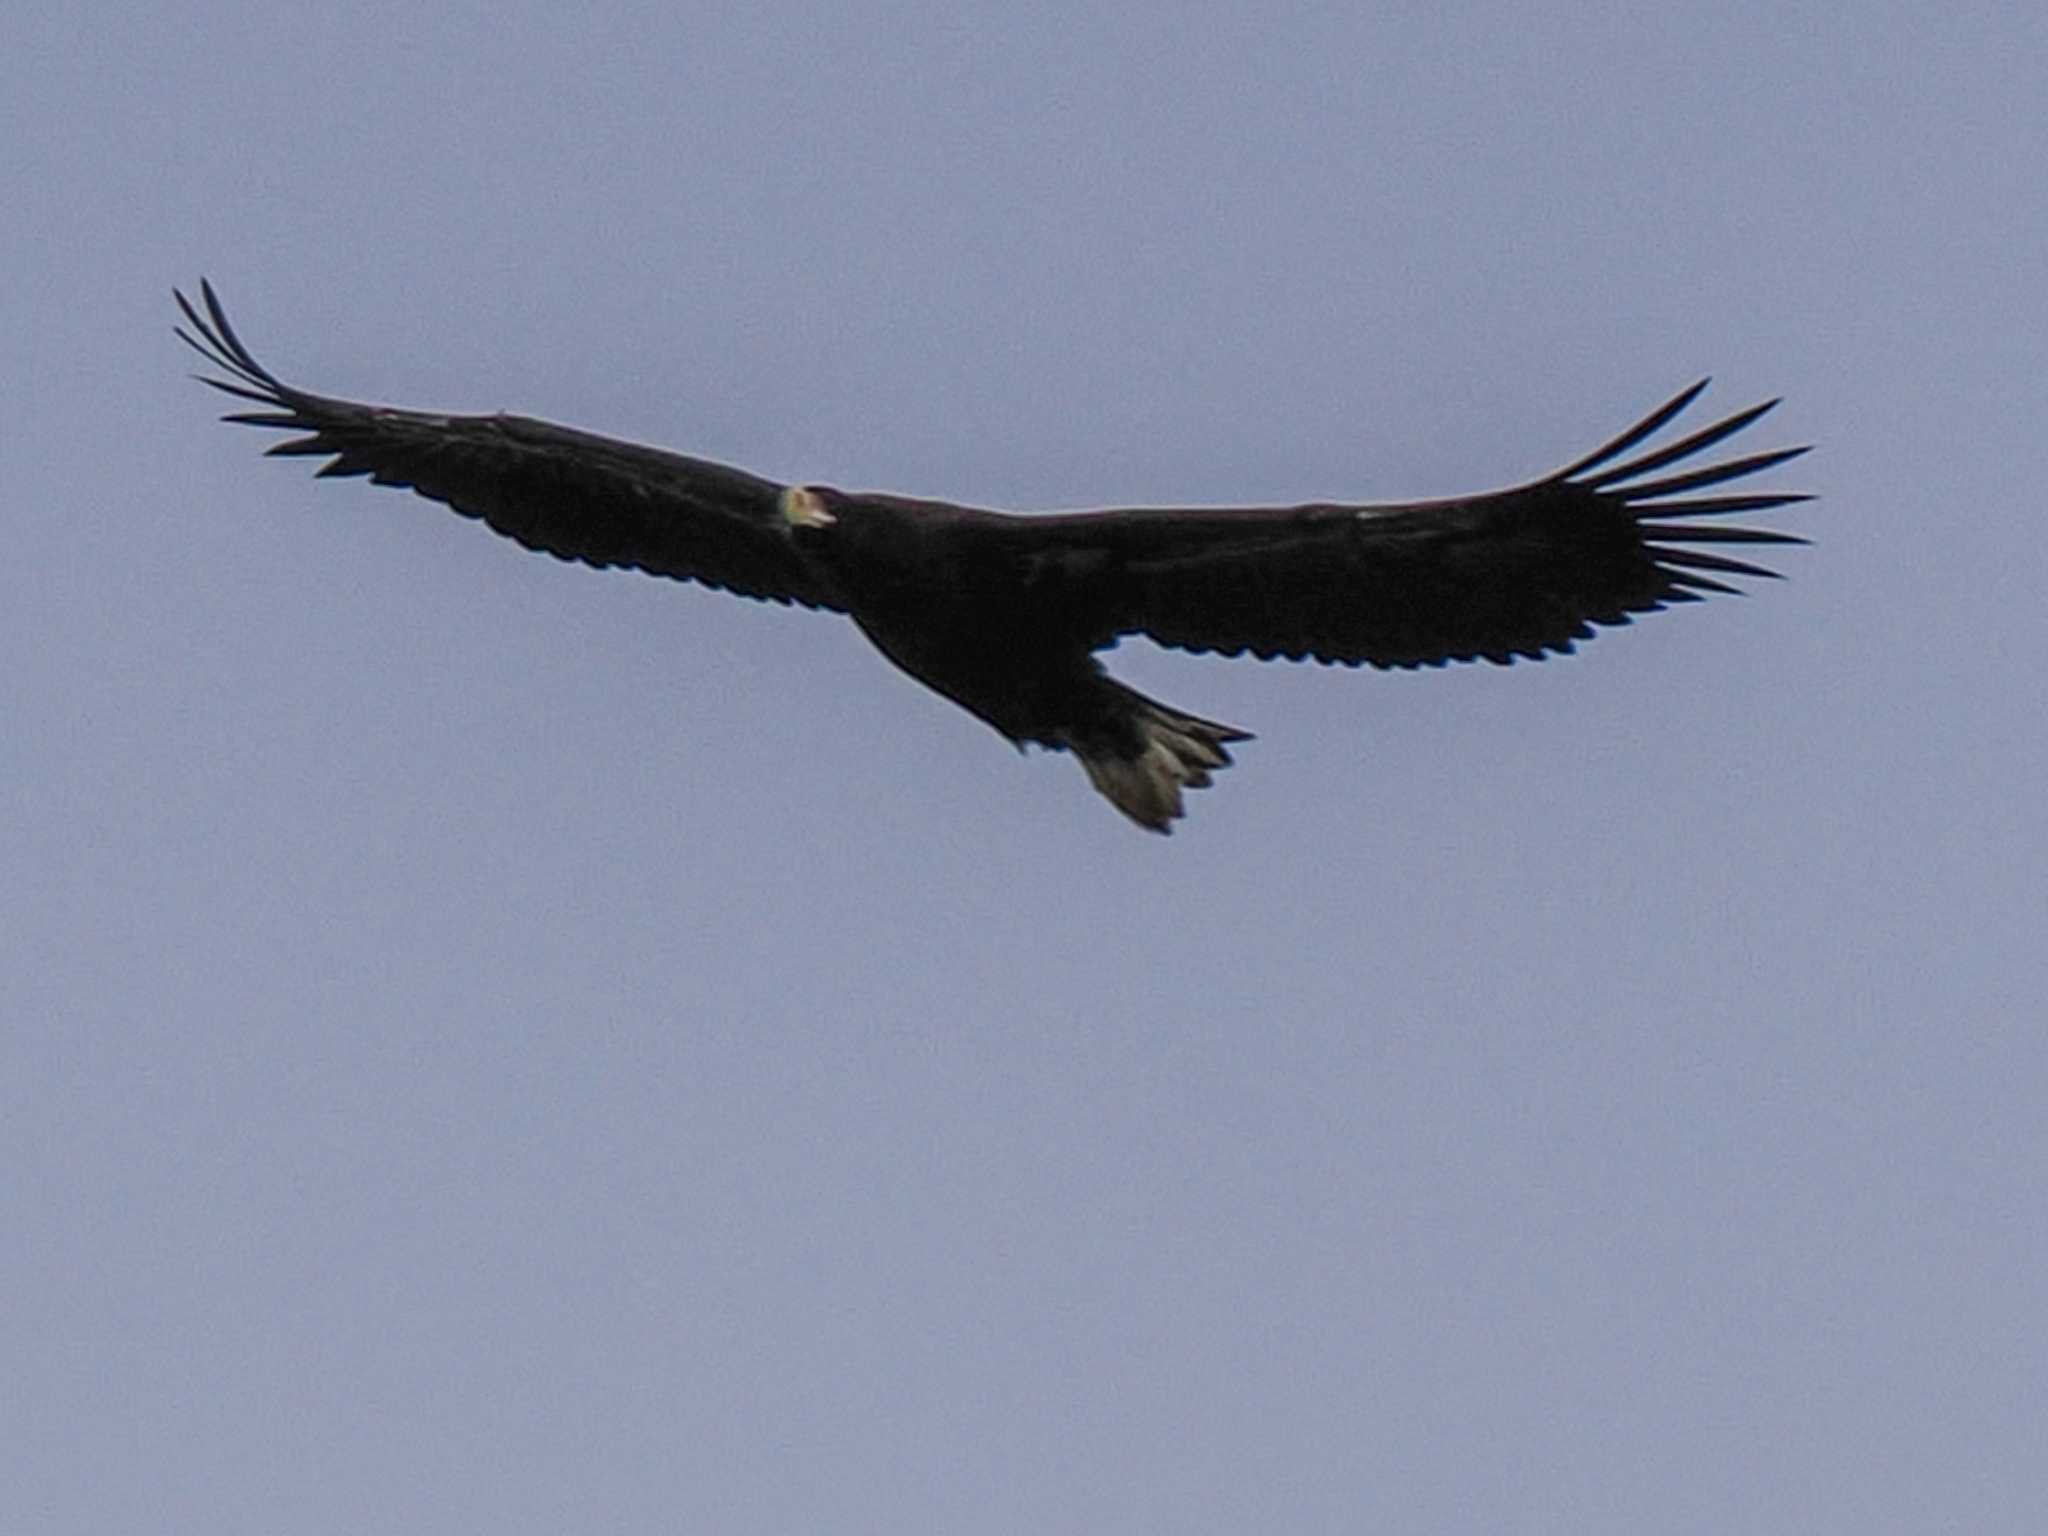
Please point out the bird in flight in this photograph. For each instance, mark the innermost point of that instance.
(1004, 614)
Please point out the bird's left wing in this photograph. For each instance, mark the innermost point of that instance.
(572, 494)
(1521, 572)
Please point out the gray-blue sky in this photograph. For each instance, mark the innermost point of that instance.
(490, 1045)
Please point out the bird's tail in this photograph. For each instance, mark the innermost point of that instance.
(1151, 753)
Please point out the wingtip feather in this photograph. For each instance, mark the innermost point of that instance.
(1635, 434)
(1685, 447)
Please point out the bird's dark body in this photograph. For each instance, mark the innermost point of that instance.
(1004, 614)
(966, 606)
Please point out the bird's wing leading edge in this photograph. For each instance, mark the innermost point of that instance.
(1522, 572)
(572, 494)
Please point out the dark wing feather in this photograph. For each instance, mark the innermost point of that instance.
(1522, 572)
(575, 495)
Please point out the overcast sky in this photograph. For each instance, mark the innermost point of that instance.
(487, 1045)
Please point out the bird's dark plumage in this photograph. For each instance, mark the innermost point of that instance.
(1003, 614)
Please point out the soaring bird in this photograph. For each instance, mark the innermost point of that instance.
(1003, 614)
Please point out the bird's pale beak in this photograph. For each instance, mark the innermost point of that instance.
(803, 507)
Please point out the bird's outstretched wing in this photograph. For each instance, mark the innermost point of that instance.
(1522, 572)
(573, 494)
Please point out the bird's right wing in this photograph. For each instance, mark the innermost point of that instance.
(574, 495)
(1523, 572)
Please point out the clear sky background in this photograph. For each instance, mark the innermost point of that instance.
(493, 1046)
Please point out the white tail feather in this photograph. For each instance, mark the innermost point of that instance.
(1175, 752)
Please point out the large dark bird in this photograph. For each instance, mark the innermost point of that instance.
(1003, 614)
